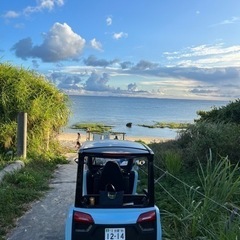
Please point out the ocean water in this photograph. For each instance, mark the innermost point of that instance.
(118, 111)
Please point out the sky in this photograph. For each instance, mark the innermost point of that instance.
(140, 48)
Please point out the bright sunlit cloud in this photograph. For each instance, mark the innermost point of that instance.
(206, 56)
(43, 5)
(120, 35)
(60, 43)
(95, 44)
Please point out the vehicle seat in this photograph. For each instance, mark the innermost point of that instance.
(111, 174)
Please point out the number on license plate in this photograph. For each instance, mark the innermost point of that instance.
(114, 233)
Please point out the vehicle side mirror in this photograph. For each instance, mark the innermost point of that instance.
(140, 162)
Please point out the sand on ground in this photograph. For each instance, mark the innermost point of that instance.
(70, 139)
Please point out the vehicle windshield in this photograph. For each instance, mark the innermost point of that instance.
(126, 176)
(97, 161)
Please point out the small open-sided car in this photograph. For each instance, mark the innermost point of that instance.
(114, 197)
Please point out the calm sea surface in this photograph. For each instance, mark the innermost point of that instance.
(117, 111)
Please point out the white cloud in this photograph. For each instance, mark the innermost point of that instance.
(206, 56)
(167, 82)
(158, 81)
(49, 4)
(109, 21)
(11, 14)
(97, 82)
(42, 5)
(60, 43)
(120, 35)
(232, 20)
(95, 44)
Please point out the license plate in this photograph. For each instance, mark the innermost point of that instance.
(114, 233)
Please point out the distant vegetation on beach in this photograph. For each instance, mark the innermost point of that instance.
(101, 128)
(92, 127)
(171, 125)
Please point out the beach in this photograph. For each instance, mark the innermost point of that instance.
(70, 139)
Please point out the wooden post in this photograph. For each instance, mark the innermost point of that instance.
(22, 135)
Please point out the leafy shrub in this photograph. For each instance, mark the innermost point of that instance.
(222, 139)
(227, 114)
(46, 106)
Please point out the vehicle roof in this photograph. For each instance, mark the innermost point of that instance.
(118, 147)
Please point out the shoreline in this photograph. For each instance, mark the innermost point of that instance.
(69, 139)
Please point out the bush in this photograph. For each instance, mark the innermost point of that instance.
(46, 106)
(222, 139)
(227, 114)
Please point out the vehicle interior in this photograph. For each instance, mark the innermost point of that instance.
(115, 182)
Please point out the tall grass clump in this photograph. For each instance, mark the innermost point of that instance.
(211, 210)
(221, 180)
(47, 108)
(221, 185)
(173, 162)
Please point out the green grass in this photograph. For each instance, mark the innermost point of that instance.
(171, 125)
(18, 190)
(92, 127)
(173, 162)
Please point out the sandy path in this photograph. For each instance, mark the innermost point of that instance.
(69, 139)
